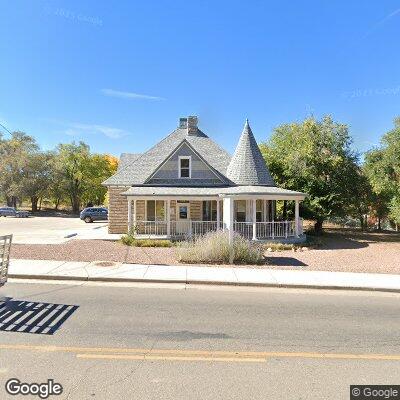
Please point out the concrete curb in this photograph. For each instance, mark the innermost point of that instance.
(200, 282)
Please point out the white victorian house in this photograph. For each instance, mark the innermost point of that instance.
(187, 185)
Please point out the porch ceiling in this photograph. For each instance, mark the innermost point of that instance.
(266, 192)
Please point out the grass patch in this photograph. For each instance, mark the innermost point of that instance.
(214, 248)
(129, 240)
(279, 246)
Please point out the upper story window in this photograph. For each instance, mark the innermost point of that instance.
(185, 166)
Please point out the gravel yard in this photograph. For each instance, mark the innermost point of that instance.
(341, 251)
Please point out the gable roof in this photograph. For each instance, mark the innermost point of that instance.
(217, 175)
(247, 166)
(139, 170)
(127, 158)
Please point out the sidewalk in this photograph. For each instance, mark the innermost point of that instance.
(118, 272)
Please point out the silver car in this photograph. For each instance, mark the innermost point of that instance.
(12, 212)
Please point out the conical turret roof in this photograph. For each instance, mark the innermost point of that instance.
(247, 166)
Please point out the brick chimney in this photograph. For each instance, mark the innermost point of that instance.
(192, 125)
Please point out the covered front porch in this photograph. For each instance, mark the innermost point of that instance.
(254, 217)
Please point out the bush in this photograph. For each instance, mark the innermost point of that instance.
(214, 248)
(129, 240)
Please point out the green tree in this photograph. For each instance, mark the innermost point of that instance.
(100, 167)
(14, 155)
(73, 165)
(361, 198)
(315, 157)
(382, 166)
(36, 177)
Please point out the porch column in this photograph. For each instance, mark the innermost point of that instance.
(168, 218)
(228, 217)
(265, 210)
(134, 214)
(296, 217)
(218, 215)
(129, 215)
(273, 208)
(273, 218)
(254, 219)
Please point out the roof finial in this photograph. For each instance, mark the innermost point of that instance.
(246, 128)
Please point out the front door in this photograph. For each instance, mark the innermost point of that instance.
(183, 218)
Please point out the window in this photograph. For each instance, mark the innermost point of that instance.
(210, 210)
(184, 167)
(183, 212)
(259, 210)
(240, 210)
(155, 210)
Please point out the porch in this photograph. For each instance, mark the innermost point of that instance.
(182, 218)
(273, 230)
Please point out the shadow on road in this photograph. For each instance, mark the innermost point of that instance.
(33, 317)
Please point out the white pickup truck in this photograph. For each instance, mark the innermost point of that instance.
(5, 247)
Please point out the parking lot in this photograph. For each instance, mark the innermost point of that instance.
(51, 230)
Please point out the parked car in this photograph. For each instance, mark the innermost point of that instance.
(90, 214)
(12, 212)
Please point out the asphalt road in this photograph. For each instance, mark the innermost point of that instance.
(49, 230)
(143, 342)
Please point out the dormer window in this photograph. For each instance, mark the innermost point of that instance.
(185, 167)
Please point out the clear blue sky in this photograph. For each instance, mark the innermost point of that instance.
(118, 75)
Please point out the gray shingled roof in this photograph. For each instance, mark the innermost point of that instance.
(136, 172)
(213, 191)
(127, 158)
(247, 166)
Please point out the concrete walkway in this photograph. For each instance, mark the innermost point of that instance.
(118, 272)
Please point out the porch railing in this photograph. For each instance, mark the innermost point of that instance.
(268, 230)
(150, 228)
(5, 247)
(177, 228)
(182, 229)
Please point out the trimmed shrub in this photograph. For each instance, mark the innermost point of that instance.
(129, 240)
(214, 248)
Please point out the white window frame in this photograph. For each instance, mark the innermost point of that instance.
(190, 166)
(155, 211)
(188, 211)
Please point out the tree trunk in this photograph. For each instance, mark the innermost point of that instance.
(40, 204)
(34, 201)
(379, 224)
(318, 225)
(75, 203)
(9, 201)
(14, 201)
(57, 204)
(361, 219)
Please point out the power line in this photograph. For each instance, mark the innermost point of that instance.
(5, 129)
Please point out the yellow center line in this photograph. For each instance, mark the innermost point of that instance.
(150, 357)
(140, 352)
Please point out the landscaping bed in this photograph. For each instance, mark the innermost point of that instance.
(340, 250)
